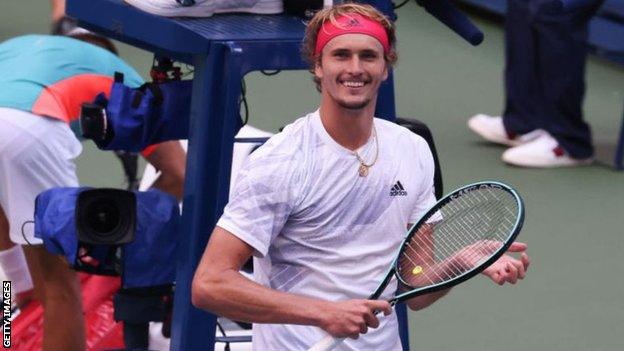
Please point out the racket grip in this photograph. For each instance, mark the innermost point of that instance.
(328, 343)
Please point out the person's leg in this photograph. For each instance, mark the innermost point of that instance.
(36, 154)
(5, 240)
(14, 264)
(520, 70)
(562, 48)
(12, 258)
(63, 320)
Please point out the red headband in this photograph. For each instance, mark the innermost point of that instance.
(351, 24)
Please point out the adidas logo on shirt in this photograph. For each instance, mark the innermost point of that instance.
(398, 190)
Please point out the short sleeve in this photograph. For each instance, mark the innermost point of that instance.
(264, 196)
(426, 194)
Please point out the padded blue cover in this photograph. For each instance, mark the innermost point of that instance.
(55, 221)
(148, 261)
(148, 115)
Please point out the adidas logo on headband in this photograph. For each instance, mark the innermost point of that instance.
(353, 23)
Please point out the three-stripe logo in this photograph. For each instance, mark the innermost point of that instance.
(398, 190)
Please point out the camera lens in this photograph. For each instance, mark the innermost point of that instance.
(106, 216)
(103, 217)
(93, 123)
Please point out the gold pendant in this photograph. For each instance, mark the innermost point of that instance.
(363, 170)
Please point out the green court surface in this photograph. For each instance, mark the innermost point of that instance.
(573, 297)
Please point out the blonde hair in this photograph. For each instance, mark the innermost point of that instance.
(330, 14)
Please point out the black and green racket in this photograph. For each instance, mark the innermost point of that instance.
(460, 236)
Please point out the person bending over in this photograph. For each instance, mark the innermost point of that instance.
(45, 79)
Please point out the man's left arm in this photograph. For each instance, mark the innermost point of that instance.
(424, 252)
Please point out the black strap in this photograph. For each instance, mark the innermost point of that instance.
(137, 98)
(157, 92)
(119, 77)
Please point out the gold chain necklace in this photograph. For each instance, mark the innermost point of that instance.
(363, 168)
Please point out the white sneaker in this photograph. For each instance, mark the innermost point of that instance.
(206, 8)
(491, 128)
(543, 152)
(262, 7)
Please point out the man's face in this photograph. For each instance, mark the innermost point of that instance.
(351, 69)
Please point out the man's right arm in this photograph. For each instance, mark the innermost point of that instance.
(220, 288)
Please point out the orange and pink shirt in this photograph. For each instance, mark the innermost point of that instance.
(52, 75)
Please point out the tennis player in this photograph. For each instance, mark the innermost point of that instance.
(324, 205)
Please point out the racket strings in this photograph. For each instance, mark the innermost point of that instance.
(424, 274)
(453, 268)
(471, 226)
(420, 240)
(505, 204)
(450, 246)
(415, 261)
(461, 235)
(487, 219)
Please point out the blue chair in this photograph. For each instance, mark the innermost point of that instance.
(222, 50)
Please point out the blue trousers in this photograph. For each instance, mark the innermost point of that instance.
(545, 72)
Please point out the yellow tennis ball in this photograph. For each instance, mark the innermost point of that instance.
(417, 270)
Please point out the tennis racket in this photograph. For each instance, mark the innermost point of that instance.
(460, 236)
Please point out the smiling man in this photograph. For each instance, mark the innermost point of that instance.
(315, 207)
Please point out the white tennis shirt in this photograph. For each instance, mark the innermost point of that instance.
(321, 230)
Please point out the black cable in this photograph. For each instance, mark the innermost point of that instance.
(189, 70)
(130, 164)
(270, 73)
(24, 233)
(400, 5)
(243, 98)
(222, 331)
(243, 102)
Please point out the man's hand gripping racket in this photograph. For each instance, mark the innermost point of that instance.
(462, 235)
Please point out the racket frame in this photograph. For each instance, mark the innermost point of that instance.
(413, 292)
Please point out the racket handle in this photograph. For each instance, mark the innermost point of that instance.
(328, 343)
